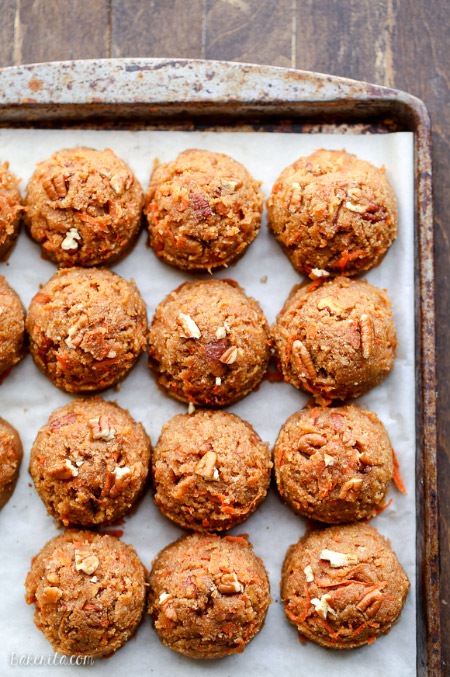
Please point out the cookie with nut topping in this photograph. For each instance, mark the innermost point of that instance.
(90, 462)
(343, 587)
(87, 328)
(83, 206)
(333, 464)
(210, 470)
(335, 339)
(209, 343)
(89, 592)
(208, 595)
(203, 210)
(333, 214)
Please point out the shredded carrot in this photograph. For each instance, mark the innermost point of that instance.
(155, 220)
(228, 510)
(237, 539)
(371, 640)
(397, 477)
(379, 509)
(327, 626)
(314, 285)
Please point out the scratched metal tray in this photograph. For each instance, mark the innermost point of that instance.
(188, 94)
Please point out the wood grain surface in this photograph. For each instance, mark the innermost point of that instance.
(399, 43)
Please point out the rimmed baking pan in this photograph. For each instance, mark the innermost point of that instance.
(189, 94)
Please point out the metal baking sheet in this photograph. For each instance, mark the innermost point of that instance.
(183, 94)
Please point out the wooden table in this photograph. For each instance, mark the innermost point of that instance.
(398, 43)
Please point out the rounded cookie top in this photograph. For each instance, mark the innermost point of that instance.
(333, 213)
(11, 454)
(209, 343)
(11, 209)
(210, 470)
(87, 328)
(12, 327)
(333, 464)
(99, 579)
(336, 339)
(343, 586)
(208, 595)
(203, 210)
(83, 206)
(90, 462)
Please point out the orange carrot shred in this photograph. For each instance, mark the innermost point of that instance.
(237, 539)
(397, 477)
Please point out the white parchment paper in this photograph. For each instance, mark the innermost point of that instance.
(27, 398)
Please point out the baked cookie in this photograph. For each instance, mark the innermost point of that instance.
(333, 214)
(343, 586)
(335, 340)
(89, 592)
(10, 209)
(87, 328)
(12, 327)
(203, 210)
(210, 470)
(11, 454)
(208, 595)
(83, 206)
(90, 462)
(333, 464)
(209, 343)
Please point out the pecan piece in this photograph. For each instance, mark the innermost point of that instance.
(201, 205)
(229, 356)
(229, 584)
(371, 602)
(189, 327)
(206, 467)
(351, 489)
(70, 242)
(330, 305)
(102, 429)
(322, 607)
(303, 360)
(51, 595)
(310, 442)
(86, 562)
(60, 185)
(166, 604)
(366, 329)
(63, 471)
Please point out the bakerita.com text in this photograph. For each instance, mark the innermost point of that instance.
(29, 659)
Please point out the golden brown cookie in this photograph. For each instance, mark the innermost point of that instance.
(333, 464)
(333, 214)
(90, 462)
(209, 343)
(210, 470)
(336, 339)
(203, 210)
(343, 586)
(87, 328)
(208, 595)
(83, 206)
(89, 592)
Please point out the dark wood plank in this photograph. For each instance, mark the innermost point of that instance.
(172, 28)
(352, 38)
(255, 31)
(7, 32)
(421, 57)
(52, 30)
